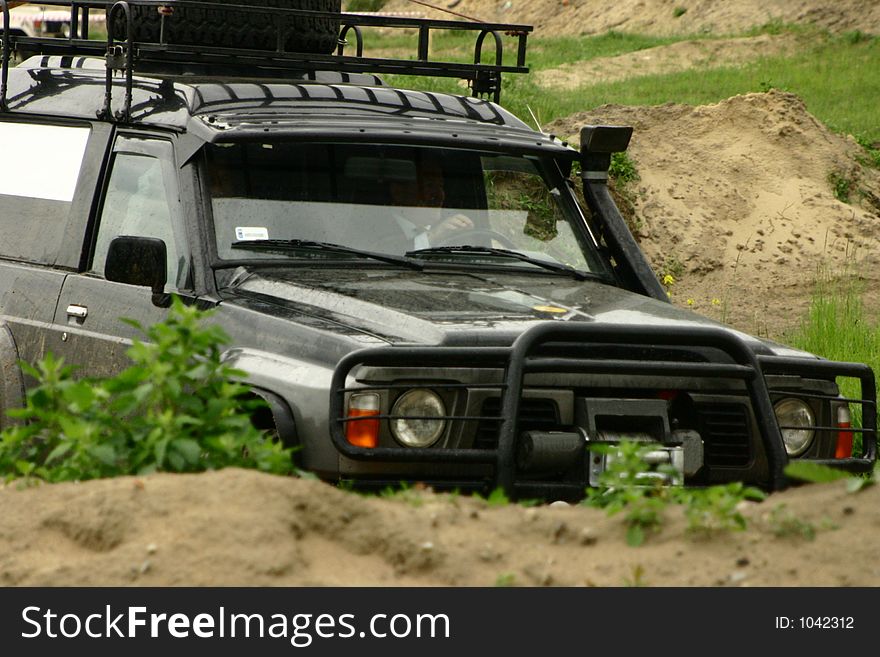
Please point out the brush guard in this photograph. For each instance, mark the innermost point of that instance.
(520, 359)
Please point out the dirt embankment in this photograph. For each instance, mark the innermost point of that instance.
(738, 200)
(237, 527)
(660, 17)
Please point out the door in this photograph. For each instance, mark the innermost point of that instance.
(141, 199)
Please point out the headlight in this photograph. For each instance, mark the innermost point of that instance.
(795, 413)
(419, 403)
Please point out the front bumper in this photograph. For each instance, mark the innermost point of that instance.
(538, 351)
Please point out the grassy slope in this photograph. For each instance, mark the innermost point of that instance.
(837, 76)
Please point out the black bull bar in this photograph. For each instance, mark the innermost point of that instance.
(519, 359)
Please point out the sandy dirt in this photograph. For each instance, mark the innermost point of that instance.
(236, 527)
(553, 17)
(736, 196)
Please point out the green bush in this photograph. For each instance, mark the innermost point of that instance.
(177, 408)
(625, 487)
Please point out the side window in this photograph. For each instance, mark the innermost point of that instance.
(141, 201)
(37, 186)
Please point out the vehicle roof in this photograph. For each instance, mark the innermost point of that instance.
(322, 104)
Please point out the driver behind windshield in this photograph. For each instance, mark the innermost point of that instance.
(418, 209)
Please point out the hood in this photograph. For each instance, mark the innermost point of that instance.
(452, 308)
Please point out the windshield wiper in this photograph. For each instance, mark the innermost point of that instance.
(504, 253)
(326, 247)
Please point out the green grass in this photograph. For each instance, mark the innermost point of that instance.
(837, 76)
(837, 328)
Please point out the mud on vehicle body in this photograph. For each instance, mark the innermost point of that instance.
(409, 278)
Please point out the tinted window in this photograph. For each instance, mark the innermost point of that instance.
(37, 186)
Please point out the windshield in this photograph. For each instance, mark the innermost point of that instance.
(399, 201)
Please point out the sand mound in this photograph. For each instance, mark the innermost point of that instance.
(659, 16)
(738, 197)
(236, 527)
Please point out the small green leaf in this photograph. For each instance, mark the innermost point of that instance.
(24, 467)
(176, 461)
(159, 451)
(635, 535)
(59, 452)
(498, 498)
(188, 448)
(815, 473)
(104, 453)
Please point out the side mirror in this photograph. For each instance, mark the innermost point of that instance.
(139, 261)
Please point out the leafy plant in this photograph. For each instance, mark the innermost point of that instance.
(784, 524)
(505, 580)
(678, 12)
(404, 492)
(177, 408)
(638, 577)
(716, 508)
(855, 36)
(842, 185)
(624, 487)
(498, 498)
(623, 169)
(817, 473)
(872, 151)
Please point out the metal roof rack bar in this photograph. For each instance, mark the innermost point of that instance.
(130, 56)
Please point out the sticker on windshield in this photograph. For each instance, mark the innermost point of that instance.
(247, 233)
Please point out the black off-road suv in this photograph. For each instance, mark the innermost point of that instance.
(410, 279)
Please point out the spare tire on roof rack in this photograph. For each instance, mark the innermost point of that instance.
(235, 28)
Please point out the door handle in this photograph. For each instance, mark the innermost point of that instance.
(76, 314)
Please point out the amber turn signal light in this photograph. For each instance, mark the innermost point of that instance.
(362, 428)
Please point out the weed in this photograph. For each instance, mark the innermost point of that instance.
(403, 492)
(505, 580)
(817, 473)
(498, 498)
(855, 36)
(623, 169)
(872, 152)
(673, 267)
(638, 577)
(625, 487)
(773, 27)
(785, 524)
(181, 406)
(678, 12)
(842, 184)
(716, 508)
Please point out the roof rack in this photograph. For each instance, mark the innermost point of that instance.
(129, 56)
